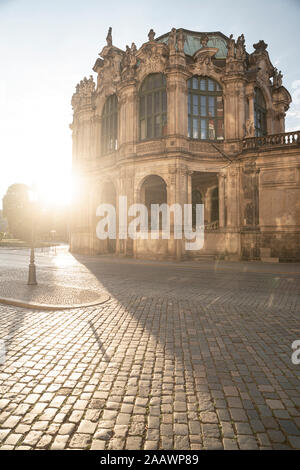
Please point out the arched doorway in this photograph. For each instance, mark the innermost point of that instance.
(153, 191)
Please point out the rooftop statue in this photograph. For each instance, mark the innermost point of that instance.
(151, 35)
(260, 46)
(240, 48)
(109, 37)
(204, 40)
(231, 46)
(180, 41)
(172, 40)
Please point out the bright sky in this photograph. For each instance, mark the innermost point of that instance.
(47, 47)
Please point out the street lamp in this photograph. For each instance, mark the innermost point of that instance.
(32, 271)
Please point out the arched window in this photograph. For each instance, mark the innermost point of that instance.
(260, 113)
(109, 136)
(153, 107)
(205, 109)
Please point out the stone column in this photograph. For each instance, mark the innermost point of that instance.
(232, 195)
(250, 98)
(128, 125)
(177, 101)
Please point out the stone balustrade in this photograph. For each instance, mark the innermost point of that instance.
(272, 140)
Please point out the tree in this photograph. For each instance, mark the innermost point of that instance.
(16, 209)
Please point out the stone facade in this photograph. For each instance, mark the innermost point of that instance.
(239, 161)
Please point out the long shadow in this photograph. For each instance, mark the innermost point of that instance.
(20, 275)
(132, 283)
(101, 347)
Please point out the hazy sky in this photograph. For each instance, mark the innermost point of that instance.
(47, 47)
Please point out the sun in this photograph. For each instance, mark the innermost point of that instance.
(54, 191)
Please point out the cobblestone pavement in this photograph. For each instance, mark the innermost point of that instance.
(183, 356)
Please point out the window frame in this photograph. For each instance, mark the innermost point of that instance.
(152, 106)
(110, 125)
(201, 120)
(260, 113)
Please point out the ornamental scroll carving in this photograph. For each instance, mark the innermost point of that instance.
(152, 57)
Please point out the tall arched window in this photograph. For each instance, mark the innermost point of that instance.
(153, 107)
(109, 135)
(205, 109)
(260, 113)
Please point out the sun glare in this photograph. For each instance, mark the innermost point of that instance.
(55, 193)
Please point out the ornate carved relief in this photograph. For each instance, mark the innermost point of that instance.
(84, 93)
(152, 58)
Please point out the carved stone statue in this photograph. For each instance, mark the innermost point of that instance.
(231, 47)
(84, 91)
(204, 40)
(129, 61)
(151, 35)
(240, 48)
(109, 37)
(277, 78)
(249, 128)
(180, 41)
(172, 40)
(260, 46)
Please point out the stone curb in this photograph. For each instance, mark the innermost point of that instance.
(32, 305)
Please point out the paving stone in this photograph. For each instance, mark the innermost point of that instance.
(32, 438)
(158, 380)
(66, 428)
(247, 442)
(44, 442)
(133, 443)
(275, 404)
(98, 445)
(276, 436)
(211, 443)
(294, 441)
(103, 434)
(13, 439)
(80, 441)
(60, 442)
(230, 444)
(86, 427)
(289, 427)
(181, 442)
(209, 417)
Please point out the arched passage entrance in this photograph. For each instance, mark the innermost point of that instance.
(153, 191)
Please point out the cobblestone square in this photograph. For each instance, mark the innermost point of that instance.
(181, 356)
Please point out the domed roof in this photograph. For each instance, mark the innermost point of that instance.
(192, 42)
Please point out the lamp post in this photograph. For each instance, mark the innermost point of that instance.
(32, 270)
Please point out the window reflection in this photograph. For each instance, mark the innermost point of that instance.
(109, 134)
(153, 107)
(205, 109)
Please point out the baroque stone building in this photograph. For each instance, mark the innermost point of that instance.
(189, 117)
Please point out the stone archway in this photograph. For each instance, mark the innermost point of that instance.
(153, 191)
